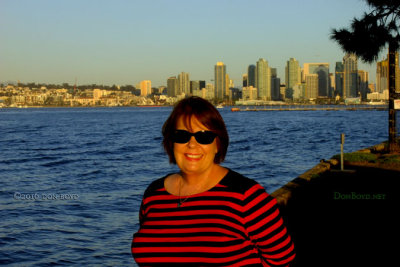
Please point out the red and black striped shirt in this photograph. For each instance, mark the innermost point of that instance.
(236, 223)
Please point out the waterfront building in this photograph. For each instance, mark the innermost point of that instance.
(200, 93)
(322, 70)
(382, 74)
(244, 76)
(210, 91)
(263, 79)
(275, 85)
(363, 83)
(231, 83)
(311, 86)
(350, 81)
(378, 97)
(145, 88)
(202, 84)
(292, 73)
(194, 85)
(282, 90)
(172, 86)
(251, 75)
(220, 80)
(99, 93)
(299, 91)
(331, 90)
(339, 79)
(371, 87)
(184, 83)
(234, 94)
(249, 93)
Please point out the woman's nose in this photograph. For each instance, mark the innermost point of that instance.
(192, 142)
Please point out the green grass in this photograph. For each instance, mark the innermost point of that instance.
(358, 157)
(391, 159)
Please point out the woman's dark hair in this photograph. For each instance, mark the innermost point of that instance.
(206, 114)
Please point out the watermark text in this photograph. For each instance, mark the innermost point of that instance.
(358, 196)
(44, 196)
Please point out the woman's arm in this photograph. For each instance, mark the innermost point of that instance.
(266, 228)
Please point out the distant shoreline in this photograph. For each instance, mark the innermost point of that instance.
(237, 108)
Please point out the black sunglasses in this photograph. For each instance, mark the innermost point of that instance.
(202, 137)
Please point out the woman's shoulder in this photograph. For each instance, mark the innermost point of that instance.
(238, 182)
(156, 185)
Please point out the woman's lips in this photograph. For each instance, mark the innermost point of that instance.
(193, 157)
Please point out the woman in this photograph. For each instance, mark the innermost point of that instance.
(207, 215)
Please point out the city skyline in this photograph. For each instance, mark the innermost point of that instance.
(102, 42)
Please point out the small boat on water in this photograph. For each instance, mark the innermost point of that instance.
(220, 106)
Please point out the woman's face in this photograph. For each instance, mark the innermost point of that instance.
(192, 157)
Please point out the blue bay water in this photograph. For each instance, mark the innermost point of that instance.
(71, 180)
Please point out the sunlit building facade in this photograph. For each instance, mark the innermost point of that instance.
(263, 79)
(145, 88)
(350, 81)
(292, 73)
(220, 80)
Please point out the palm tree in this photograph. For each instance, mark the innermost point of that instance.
(367, 37)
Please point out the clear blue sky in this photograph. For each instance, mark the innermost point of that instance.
(126, 41)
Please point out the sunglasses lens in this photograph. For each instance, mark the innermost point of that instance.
(202, 137)
(182, 137)
(205, 138)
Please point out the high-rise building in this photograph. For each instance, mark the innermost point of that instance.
(311, 91)
(322, 70)
(251, 75)
(249, 93)
(350, 81)
(194, 86)
(275, 85)
(263, 79)
(228, 84)
(382, 74)
(292, 73)
(210, 91)
(202, 84)
(184, 83)
(244, 76)
(172, 86)
(363, 83)
(339, 79)
(331, 90)
(145, 88)
(221, 86)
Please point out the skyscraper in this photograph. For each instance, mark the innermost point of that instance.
(322, 70)
(382, 74)
(311, 86)
(339, 78)
(184, 83)
(145, 88)
(244, 76)
(263, 79)
(363, 78)
(194, 86)
(202, 84)
(172, 86)
(251, 76)
(292, 73)
(220, 81)
(275, 85)
(350, 81)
